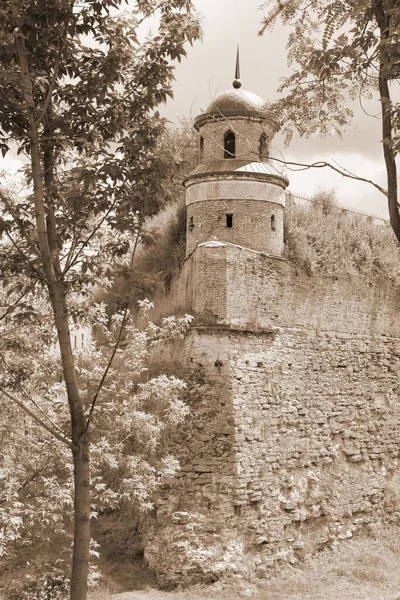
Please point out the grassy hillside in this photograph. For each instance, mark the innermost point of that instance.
(325, 239)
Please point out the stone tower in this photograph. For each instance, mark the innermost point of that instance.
(235, 195)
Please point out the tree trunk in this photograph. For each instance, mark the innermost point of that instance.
(387, 125)
(80, 440)
(49, 254)
(80, 556)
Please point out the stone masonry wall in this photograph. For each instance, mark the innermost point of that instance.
(292, 446)
(294, 435)
(317, 434)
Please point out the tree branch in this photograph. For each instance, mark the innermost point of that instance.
(14, 304)
(118, 341)
(340, 170)
(274, 14)
(26, 482)
(56, 66)
(36, 418)
(21, 227)
(39, 408)
(25, 258)
(71, 261)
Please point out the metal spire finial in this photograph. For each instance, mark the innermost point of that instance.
(237, 83)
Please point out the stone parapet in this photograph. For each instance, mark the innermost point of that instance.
(254, 290)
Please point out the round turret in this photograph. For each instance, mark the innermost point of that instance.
(235, 195)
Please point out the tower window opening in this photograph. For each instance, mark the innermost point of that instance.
(191, 224)
(201, 147)
(263, 149)
(229, 145)
(273, 223)
(229, 221)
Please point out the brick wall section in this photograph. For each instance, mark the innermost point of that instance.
(264, 292)
(210, 275)
(251, 224)
(247, 132)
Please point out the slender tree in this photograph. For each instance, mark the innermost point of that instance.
(128, 457)
(341, 50)
(78, 93)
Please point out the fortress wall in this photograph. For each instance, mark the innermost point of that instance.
(294, 436)
(317, 438)
(292, 446)
(201, 288)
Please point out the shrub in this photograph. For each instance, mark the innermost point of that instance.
(165, 257)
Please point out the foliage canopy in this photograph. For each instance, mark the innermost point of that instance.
(341, 50)
(79, 88)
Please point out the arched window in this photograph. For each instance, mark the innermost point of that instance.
(201, 147)
(229, 145)
(263, 150)
(273, 224)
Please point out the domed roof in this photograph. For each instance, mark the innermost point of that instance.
(235, 103)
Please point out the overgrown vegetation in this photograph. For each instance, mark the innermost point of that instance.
(326, 239)
(129, 459)
(161, 253)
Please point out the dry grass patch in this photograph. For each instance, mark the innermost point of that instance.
(359, 569)
(325, 240)
(364, 568)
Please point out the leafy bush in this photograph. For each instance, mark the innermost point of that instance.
(51, 585)
(129, 460)
(161, 252)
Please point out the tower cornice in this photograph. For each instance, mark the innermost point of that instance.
(219, 175)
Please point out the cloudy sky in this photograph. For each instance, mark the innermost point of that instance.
(209, 69)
